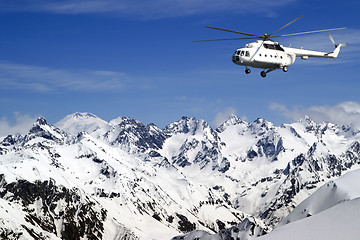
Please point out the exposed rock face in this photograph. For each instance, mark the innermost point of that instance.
(58, 210)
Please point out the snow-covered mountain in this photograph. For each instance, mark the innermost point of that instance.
(87, 178)
(78, 122)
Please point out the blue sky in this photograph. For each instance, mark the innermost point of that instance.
(137, 59)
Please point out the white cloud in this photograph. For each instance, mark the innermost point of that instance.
(42, 79)
(21, 125)
(144, 8)
(345, 113)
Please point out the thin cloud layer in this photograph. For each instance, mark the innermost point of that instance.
(345, 113)
(42, 79)
(141, 8)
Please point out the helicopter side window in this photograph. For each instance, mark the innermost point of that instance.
(247, 54)
(242, 53)
(237, 52)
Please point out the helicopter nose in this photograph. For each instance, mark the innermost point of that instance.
(235, 58)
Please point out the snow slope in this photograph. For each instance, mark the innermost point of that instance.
(340, 222)
(332, 193)
(332, 213)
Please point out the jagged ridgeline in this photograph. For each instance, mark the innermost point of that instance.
(85, 178)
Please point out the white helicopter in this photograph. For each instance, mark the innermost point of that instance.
(270, 55)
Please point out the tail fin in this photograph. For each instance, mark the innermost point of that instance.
(335, 53)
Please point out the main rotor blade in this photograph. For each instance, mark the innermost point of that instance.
(227, 30)
(224, 39)
(316, 31)
(286, 25)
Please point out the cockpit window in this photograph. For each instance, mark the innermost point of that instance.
(247, 54)
(242, 53)
(237, 52)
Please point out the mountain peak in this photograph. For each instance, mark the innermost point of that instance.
(44, 130)
(122, 120)
(40, 121)
(260, 121)
(187, 125)
(78, 115)
(307, 120)
(233, 120)
(78, 122)
(261, 125)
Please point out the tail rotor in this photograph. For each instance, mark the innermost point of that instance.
(336, 45)
(336, 51)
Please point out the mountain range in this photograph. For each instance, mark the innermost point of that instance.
(86, 178)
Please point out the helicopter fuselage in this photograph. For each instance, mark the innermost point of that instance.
(263, 54)
(271, 55)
